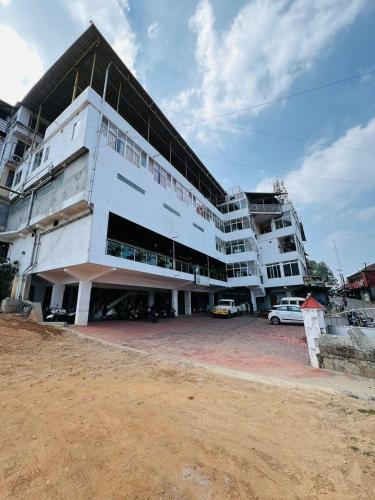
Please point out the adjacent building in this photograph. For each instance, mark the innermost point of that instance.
(106, 199)
(362, 283)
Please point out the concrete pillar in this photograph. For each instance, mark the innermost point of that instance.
(26, 287)
(315, 325)
(57, 295)
(174, 300)
(211, 300)
(83, 302)
(151, 298)
(187, 300)
(253, 300)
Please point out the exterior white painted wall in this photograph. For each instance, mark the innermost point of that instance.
(85, 240)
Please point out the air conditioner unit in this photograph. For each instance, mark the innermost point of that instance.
(16, 159)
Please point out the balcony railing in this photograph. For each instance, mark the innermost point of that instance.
(4, 125)
(264, 208)
(137, 254)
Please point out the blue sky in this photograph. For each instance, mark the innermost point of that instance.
(203, 58)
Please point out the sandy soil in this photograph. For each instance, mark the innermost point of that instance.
(79, 420)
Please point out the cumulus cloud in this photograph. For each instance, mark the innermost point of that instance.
(366, 214)
(335, 162)
(267, 46)
(21, 66)
(111, 17)
(153, 30)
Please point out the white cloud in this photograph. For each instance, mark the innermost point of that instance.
(21, 66)
(333, 162)
(153, 30)
(111, 18)
(5, 3)
(366, 214)
(267, 46)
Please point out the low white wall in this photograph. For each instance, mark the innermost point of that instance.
(342, 331)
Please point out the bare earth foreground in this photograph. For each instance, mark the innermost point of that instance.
(80, 420)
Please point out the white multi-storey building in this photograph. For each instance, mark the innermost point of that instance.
(107, 199)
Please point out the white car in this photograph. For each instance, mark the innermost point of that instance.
(285, 314)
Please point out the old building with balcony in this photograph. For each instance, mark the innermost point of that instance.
(106, 197)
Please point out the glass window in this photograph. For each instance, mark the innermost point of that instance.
(144, 159)
(273, 271)
(291, 269)
(127, 252)
(114, 248)
(38, 159)
(46, 154)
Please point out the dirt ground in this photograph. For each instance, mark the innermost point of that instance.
(80, 420)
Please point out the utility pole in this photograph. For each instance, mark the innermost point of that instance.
(339, 264)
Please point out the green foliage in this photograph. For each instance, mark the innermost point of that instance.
(8, 270)
(322, 270)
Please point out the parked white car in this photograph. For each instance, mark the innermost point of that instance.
(285, 314)
(228, 308)
(292, 301)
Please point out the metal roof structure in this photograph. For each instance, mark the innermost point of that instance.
(85, 63)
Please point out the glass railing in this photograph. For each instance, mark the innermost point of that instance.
(137, 254)
(264, 207)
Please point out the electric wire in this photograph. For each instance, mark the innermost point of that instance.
(282, 98)
(285, 172)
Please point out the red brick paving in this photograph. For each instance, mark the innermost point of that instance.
(245, 343)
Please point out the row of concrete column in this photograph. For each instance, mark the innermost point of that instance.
(84, 293)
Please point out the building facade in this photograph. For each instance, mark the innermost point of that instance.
(362, 283)
(107, 199)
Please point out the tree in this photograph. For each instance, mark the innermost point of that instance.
(322, 270)
(8, 270)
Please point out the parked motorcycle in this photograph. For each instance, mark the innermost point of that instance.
(148, 314)
(55, 313)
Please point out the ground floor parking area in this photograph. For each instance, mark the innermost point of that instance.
(244, 343)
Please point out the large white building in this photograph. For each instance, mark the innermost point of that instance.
(107, 198)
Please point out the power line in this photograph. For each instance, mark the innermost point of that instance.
(330, 179)
(294, 139)
(280, 99)
(354, 235)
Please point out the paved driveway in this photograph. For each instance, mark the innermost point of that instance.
(244, 343)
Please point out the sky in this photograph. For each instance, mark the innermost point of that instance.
(212, 64)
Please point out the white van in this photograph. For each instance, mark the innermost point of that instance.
(292, 301)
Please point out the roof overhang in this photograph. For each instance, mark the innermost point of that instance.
(85, 63)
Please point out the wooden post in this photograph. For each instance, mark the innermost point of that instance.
(75, 85)
(93, 69)
(118, 97)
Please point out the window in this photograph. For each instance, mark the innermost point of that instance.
(241, 269)
(236, 224)
(37, 159)
(294, 308)
(121, 143)
(133, 152)
(233, 206)
(75, 129)
(239, 246)
(46, 154)
(284, 221)
(291, 269)
(220, 245)
(17, 178)
(10, 178)
(160, 175)
(273, 271)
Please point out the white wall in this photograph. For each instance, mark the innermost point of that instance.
(64, 246)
